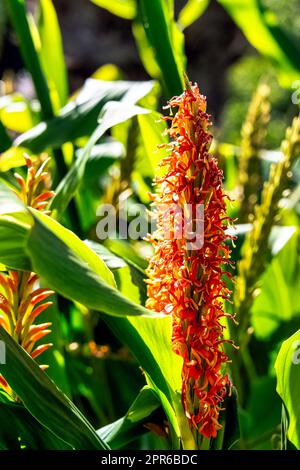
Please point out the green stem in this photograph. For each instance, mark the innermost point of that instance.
(205, 443)
(187, 438)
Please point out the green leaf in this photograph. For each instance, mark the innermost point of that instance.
(149, 339)
(55, 357)
(112, 261)
(146, 52)
(130, 427)
(70, 268)
(13, 233)
(126, 251)
(22, 430)
(18, 113)
(163, 36)
(78, 247)
(5, 140)
(44, 400)
(67, 264)
(101, 157)
(123, 8)
(262, 413)
(30, 56)
(280, 236)
(21, 26)
(18, 116)
(112, 114)
(260, 26)
(287, 368)
(152, 131)
(51, 52)
(12, 158)
(14, 225)
(278, 302)
(191, 11)
(79, 117)
(130, 278)
(9, 201)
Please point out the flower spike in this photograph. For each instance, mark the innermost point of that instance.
(186, 280)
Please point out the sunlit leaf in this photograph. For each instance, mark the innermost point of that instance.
(153, 134)
(70, 268)
(19, 20)
(79, 117)
(113, 113)
(17, 117)
(191, 11)
(287, 368)
(14, 225)
(150, 341)
(12, 158)
(261, 29)
(163, 36)
(278, 301)
(51, 52)
(124, 8)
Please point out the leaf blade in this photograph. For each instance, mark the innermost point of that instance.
(43, 399)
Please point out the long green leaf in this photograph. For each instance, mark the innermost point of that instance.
(13, 233)
(19, 20)
(102, 155)
(266, 36)
(43, 399)
(150, 342)
(83, 278)
(110, 259)
(191, 11)
(12, 158)
(287, 368)
(14, 226)
(5, 140)
(30, 56)
(123, 8)
(160, 30)
(66, 263)
(51, 53)
(130, 427)
(153, 135)
(79, 117)
(277, 307)
(23, 431)
(9, 201)
(112, 114)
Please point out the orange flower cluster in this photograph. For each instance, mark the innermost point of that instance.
(188, 282)
(33, 191)
(21, 298)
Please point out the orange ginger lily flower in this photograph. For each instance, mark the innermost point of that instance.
(185, 281)
(21, 299)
